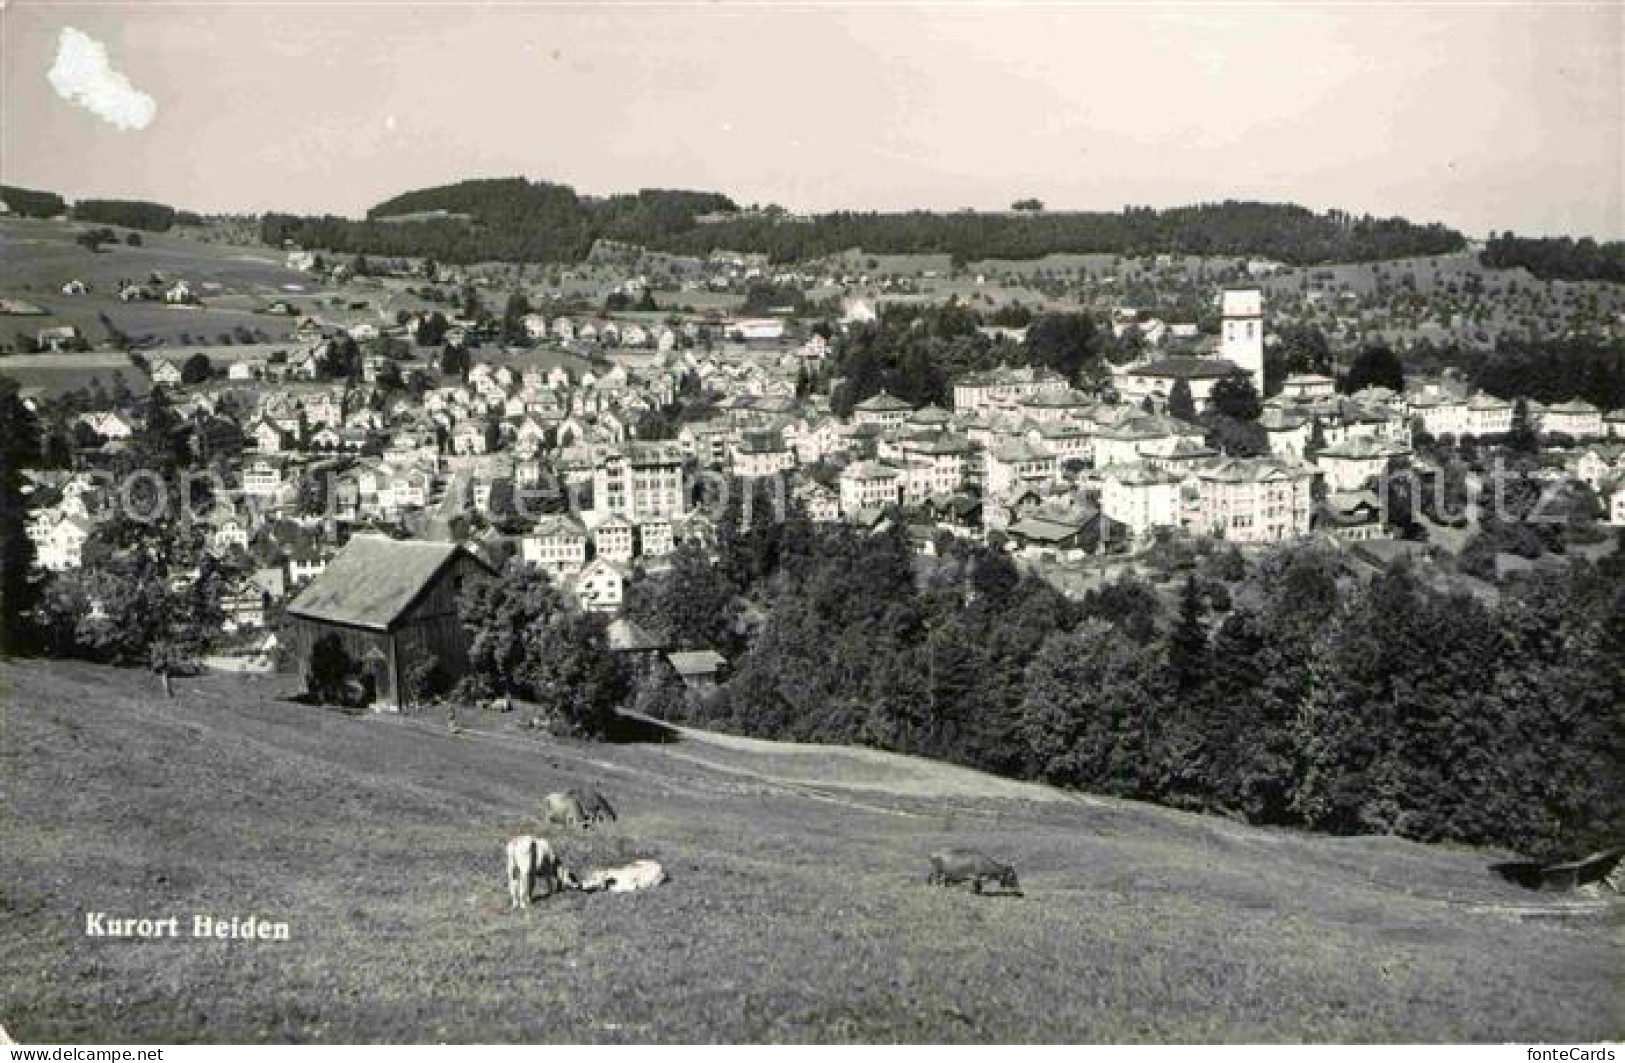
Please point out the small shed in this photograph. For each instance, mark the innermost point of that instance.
(392, 604)
(698, 669)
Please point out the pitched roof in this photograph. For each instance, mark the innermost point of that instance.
(882, 402)
(696, 662)
(373, 580)
(1188, 367)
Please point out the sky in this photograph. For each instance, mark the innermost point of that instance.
(1487, 117)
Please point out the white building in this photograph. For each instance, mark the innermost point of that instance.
(868, 485)
(1242, 339)
(1253, 500)
(1140, 497)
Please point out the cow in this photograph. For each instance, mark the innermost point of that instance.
(564, 809)
(531, 859)
(593, 805)
(953, 866)
(638, 875)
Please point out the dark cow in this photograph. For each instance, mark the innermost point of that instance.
(593, 805)
(953, 866)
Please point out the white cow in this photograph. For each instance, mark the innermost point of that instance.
(638, 875)
(531, 859)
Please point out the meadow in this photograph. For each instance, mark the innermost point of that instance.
(797, 909)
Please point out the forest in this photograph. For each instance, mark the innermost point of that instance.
(1287, 691)
(499, 219)
(512, 219)
(1558, 258)
(32, 204)
(130, 213)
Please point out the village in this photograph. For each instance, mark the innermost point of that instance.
(592, 444)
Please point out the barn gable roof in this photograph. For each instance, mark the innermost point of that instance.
(373, 580)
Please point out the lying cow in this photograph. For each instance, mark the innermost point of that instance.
(638, 875)
(953, 866)
(531, 860)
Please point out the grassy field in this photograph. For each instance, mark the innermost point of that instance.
(796, 909)
(38, 257)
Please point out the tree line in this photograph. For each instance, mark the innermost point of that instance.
(517, 220)
(1558, 258)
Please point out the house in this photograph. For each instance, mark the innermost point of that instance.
(869, 485)
(821, 505)
(1003, 386)
(557, 544)
(1308, 386)
(614, 539)
(262, 479)
(656, 537)
(58, 338)
(230, 532)
(698, 669)
(1011, 466)
(1140, 497)
(1351, 516)
(1253, 500)
(762, 452)
(471, 437)
(1155, 379)
(601, 586)
(392, 607)
(882, 408)
(1355, 463)
(61, 544)
(1576, 419)
(1488, 415)
(1287, 433)
(267, 437)
(640, 480)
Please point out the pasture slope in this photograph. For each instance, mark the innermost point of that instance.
(796, 912)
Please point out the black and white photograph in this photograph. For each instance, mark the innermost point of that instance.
(782, 523)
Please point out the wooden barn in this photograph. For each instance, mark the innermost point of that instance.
(391, 604)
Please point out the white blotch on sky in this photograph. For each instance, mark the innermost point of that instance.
(82, 75)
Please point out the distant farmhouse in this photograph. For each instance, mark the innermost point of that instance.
(391, 604)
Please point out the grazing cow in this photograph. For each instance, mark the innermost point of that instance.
(593, 805)
(531, 859)
(638, 875)
(953, 866)
(564, 809)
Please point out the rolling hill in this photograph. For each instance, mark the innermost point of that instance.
(796, 910)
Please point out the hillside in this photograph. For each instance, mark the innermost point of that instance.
(517, 220)
(796, 910)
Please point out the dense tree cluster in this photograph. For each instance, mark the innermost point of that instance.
(130, 213)
(1555, 370)
(1322, 702)
(530, 640)
(517, 220)
(1548, 370)
(19, 449)
(1281, 231)
(1558, 258)
(916, 352)
(31, 204)
(507, 219)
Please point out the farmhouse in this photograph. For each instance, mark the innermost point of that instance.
(391, 604)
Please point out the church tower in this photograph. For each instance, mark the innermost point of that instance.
(1243, 337)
